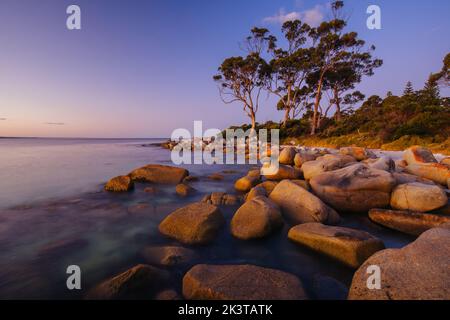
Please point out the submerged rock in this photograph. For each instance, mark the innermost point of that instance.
(197, 223)
(300, 206)
(414, 223)
(328, 288)
(349, 246)
(418, 197)
(119, 184)
(168, 255)
(356, 188)
(157, 173)
(256, 218)
(184, 190)
(216, 176)
(328, 162)
(418, 271)
(221, 198)
(241, 282)
(138, 282)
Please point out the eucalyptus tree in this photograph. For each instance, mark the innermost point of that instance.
(241, 79)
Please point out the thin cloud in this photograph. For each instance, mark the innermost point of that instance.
(55, 123)
(312, 16)
(3, 119)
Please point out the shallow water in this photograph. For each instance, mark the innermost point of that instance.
(105, 233)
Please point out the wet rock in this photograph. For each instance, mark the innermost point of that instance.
(349, 246)
(418, 155)
(244, 184)
(184, 190)
(301, 206)
(436, 172)
(285, 172)
(157, 173)
(357, 152)
(328, 288)
(418, 271)
(287, 155)
(325, 163)
(136, 283)
(168, 256)
(168, 294)
(256, 218)
(221, 198)
(241, 282)
(138, 208)
(216, 176)
(190, 179)
(119, 184)
(256, 192)
(417, 196)
(414, 223)
(217, 198)
(356, 188)
(61, 246)
(197, 223)
(151, 190)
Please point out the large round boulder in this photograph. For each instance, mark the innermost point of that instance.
(328, 162)
(349, 246)
(356, 188)
(413, 223)
(418, 271)
(256, 218)
(197, 223)
(157, 173)
(417, 196)
(287, 155)
(241, 282)
(300, 206)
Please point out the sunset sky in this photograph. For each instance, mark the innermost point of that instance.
(143, 68)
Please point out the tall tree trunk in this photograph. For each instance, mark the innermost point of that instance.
(316, 107)
(286, 116)
(253, 118)
(337, 102)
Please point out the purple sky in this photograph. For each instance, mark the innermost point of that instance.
(143, 68)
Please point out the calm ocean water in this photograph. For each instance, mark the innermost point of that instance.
(54, 213)
(38, 169)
